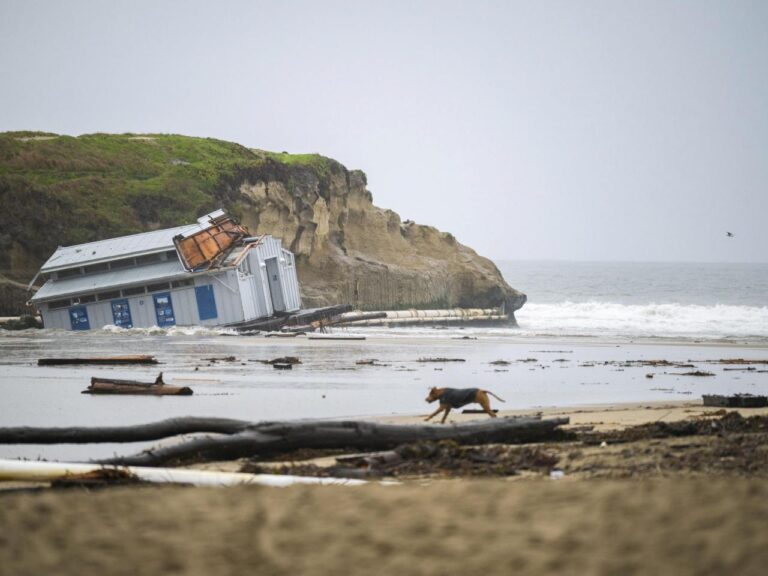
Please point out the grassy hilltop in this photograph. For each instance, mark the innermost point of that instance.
(63, 190)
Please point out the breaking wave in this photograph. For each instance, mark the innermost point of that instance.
(172, 331)
(688, 321)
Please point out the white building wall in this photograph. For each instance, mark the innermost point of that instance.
(229, 287)
(227, 295)
(271, 247)
(259, 286)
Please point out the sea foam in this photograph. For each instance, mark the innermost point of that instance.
(600, 319)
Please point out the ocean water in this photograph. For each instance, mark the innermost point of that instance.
(582, 323)
(685, 301)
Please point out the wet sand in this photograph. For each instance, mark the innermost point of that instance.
(664, 506)
(634, 518)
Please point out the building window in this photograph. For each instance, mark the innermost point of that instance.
(69, 273)
(288, 258)
(120, 264)
(84, 299)
(133, 291)
(182, 283)
(108, 295)
(148, 259)
(93, 268)
(157, 287)
(171, 255)
(59, 304)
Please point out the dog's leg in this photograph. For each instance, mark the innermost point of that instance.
(482, 399)
(435, 413)
(447, 411)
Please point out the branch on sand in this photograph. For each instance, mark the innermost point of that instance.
(238, 439)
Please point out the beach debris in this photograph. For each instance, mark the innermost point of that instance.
(700, 373)
(335, 337)
(215, 359)
(280, 360)
(649, 363)
(524, 360)
(649, 375)
(99, 478)
(232, 439)
(734, 361)
(747, 369)
(156, 388)
(464, 338)
(21, 470)
(282, 366)
(731, 422)
(23, 322)
(441, 360)
(500, 363)
(108, 360)
(735, 400)
(427, 458)
(284, 334)
(370, 362)
(560, 360)
(476, 411)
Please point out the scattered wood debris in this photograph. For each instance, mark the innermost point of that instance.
(280, 360)
(156, 388)
(108, 360)
(220, 359)
(101, 478)
(428, 458)
(735, 361)
(370, 362)
(735, 400)
(441, 360)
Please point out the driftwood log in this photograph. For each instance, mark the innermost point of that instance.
(238, 439)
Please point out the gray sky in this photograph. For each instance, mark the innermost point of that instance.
(591, 130)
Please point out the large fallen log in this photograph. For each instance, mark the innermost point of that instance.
(119, 434)
(106, 360)
(237, 439)
(273, 438)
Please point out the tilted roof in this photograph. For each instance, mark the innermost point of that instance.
(116, 248)
(110, 280)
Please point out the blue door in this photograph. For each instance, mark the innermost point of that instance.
(121, 314)
(164, 310)
(78, 318)
(206, 303)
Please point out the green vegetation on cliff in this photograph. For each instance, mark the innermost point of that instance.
(63, 190)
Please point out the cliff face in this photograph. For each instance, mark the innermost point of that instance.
(63, 190)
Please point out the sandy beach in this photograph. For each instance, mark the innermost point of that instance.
(687, 516)
(623, 492)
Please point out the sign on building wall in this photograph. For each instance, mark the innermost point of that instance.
(164, 310)
(78, 318)
(121, 314)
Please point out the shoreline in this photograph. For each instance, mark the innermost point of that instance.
(604, 416)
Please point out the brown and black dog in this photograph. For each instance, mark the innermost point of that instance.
(458, 397)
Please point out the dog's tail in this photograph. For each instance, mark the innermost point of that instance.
(494, 395)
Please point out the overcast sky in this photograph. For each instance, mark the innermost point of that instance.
(584, 130)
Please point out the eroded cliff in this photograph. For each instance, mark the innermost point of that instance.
(64, 190)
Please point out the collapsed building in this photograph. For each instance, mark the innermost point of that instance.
(211, 273)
